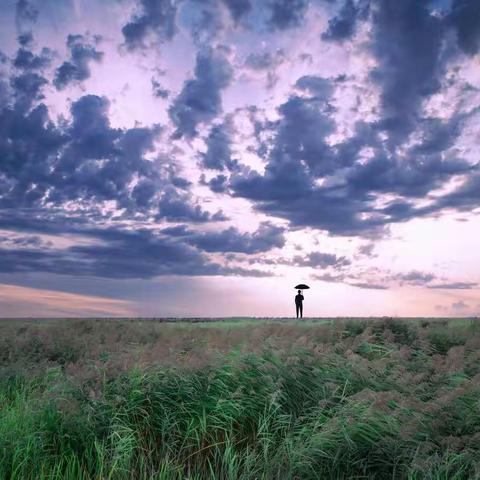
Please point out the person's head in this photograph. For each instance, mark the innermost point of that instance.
(299, 292)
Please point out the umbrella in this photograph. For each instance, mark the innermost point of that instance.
(302, 286)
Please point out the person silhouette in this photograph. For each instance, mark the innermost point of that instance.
(299, 303)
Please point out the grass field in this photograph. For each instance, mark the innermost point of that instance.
(240, 399)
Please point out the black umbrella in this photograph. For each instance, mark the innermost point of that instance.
(302, 286)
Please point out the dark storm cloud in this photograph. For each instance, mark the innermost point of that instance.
(300, 154)
(31, 241)
(28, 89)
(178, 207)
(301, 132)
(177, 231)
(414, 278)
(266, 237)
(265, 60)
(141, 254)
(118, 254)
(81, 175)
(25, 13)
(87, 162)
(410, 177)
(321, 260)
(328, 277)
(300, 137)
(205, 21)
(343, 26)
(217, 184)
(25, 39)
(367, 250)
(177, 180)
(343, 202)
(219, 148)
(200, 100)
(155, 18)
(285, 14)
(29, 260)
(281, 184)
(99, 163)
(83, 162)
(28, 142)
(158, 90)
(245, 272)
(41, 221)
(377, 279)
(438, 135)
(4, 81)
(28, 82)
(27, 60)
(83, 51)
(368, 286)
(321, 88)
(407, 42)
(465, 19)
(90, 128)
(287, 190)
(465, 197)
(238, 8)
(454, 286)
(382, 280)
(352, 280)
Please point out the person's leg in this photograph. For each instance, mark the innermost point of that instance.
(301, 311)
(297, 308)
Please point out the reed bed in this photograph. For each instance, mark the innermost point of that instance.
(336, 399)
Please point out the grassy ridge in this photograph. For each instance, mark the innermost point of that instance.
(376, 399)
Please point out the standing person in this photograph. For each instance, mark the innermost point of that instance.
(299, 303)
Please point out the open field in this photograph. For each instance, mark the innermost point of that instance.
(240, 399)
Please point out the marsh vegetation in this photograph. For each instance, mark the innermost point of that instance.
(245, 399)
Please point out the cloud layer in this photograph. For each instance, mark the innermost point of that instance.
(232, 137)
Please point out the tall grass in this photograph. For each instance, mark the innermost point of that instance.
(377, 401)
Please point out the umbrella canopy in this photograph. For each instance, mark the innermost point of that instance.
(302, 286)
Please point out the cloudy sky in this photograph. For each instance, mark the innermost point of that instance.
(201, 157)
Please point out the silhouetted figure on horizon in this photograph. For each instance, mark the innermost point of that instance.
(299, 304)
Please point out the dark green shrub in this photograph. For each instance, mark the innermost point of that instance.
(442, 340)
(404, 333)
(353, 328)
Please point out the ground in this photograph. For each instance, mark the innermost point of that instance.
(240, 399)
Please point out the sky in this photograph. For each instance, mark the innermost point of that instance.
(201, 157)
